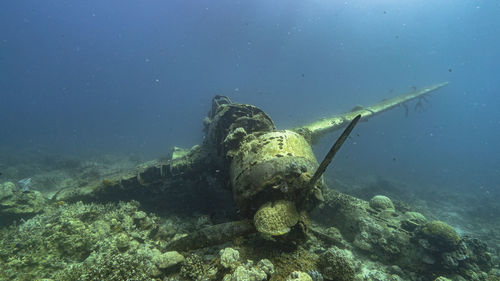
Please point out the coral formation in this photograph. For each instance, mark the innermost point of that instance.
(266, 266)
(381, 202)
(298, 276)
(194, 268)
(113, 266)
(92, 238)
(441, 235)
(412, 220)
(416, 217)
(229, 257)
(276, 218)
(337, 264)
(78, 241)
(315, 275)
(246, 273)
(424, 249)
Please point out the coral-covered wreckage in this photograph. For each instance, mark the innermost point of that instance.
(261, 212)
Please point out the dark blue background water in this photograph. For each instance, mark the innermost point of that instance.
(138, 76)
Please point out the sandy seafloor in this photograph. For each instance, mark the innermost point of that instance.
(474, 215)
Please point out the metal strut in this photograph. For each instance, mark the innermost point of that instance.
(329, 156)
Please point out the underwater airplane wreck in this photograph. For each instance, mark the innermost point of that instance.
(282, 205)
(239, 136)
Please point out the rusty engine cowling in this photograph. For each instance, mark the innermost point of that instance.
(269, 170)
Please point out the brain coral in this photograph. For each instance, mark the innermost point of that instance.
(276, 218)
(381, 202)
(441, 234)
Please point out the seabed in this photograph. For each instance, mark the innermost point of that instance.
(347, 240)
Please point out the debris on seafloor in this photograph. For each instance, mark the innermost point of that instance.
(25, 184)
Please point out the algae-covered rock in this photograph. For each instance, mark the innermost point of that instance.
(276, 218)
(381, 202)
(337, 264)
(229, 257)
(441, 235)
(298, 276)
(168, 260)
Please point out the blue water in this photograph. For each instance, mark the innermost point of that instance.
(138, 76)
